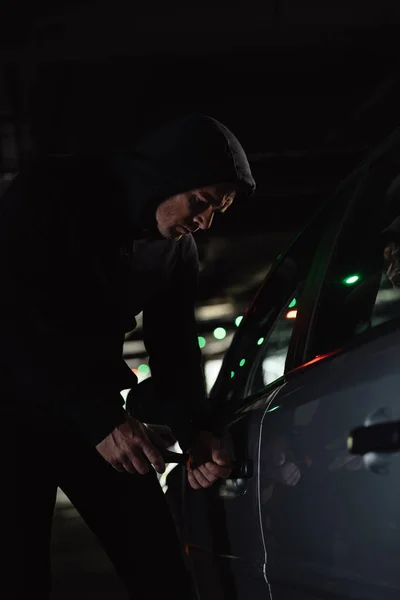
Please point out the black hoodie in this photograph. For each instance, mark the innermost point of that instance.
(80, 256)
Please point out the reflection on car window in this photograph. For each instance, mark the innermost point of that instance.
(387, 303)
(362, 287)
(270, 361)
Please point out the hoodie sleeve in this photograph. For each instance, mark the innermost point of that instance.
(52, 346)
(170, 337)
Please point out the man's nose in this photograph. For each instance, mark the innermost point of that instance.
(205, 218)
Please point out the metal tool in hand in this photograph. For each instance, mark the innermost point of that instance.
(240, 469)
(169, 457)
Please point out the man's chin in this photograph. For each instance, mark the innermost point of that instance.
(170, 234)
(174, 234)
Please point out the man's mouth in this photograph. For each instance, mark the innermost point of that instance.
(186, 230)
(183, 230)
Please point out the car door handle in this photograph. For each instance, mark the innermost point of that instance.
(380, 437)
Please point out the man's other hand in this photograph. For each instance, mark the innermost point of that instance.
(212, 458)
(130, 447)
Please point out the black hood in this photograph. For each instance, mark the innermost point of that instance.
(186, 154)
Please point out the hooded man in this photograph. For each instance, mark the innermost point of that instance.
(85, 245)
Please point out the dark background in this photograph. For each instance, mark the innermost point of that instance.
(308, 86)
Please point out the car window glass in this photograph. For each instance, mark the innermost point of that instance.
(258, 354)
(271, 360)
(362, 287)
(261, 330)
(269, 364)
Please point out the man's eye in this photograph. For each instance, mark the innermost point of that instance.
(197, 202)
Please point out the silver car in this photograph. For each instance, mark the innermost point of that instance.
(310, 393)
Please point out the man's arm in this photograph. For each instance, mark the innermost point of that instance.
(175, 360)
(170, 336)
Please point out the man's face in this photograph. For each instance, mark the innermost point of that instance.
(391, 255)
(187, 212)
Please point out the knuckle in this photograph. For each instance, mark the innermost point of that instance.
(141, 467)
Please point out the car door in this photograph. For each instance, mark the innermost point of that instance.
(222, 527)
(331, 519)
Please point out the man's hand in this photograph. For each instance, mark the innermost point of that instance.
(131, 447)
(277, 467)
(212, 458)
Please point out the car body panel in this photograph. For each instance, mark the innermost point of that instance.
(223, 534)
(336, 534)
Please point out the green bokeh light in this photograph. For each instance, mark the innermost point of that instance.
(260, 341)
(238, 320)
(232, 374)
(242, 362)
(219, 333)
(293, 303)
(144, 369)
(202, 341)
(351, 280)
(273, 408)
